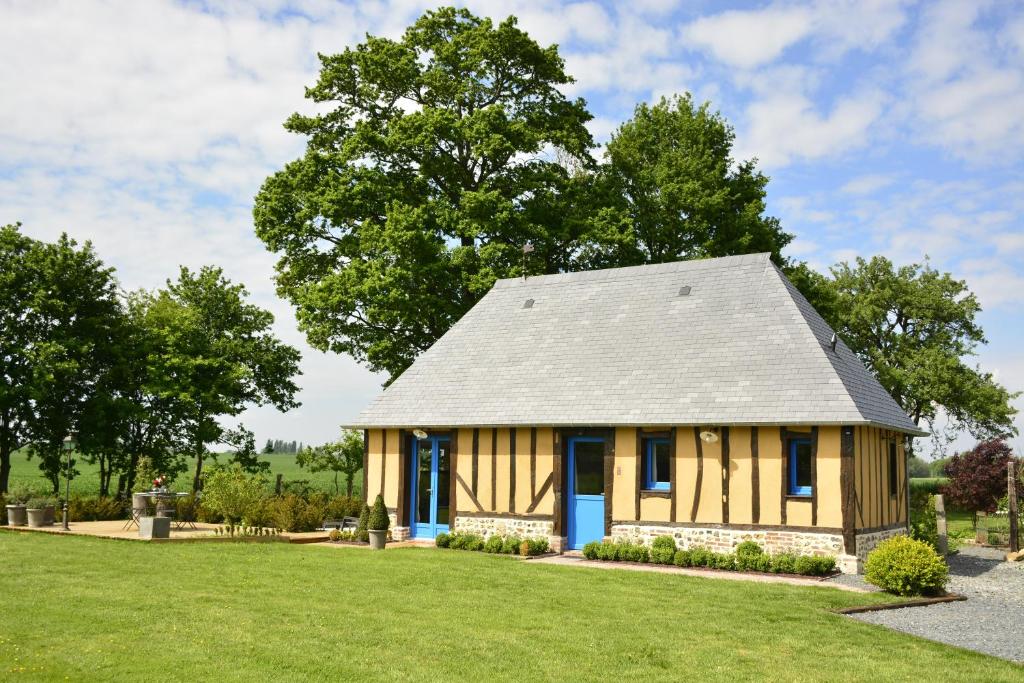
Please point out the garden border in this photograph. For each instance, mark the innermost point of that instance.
(916, 602)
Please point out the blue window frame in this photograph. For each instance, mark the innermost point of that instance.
(800, 467)
(656, 465)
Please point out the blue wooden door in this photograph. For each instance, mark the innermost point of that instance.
(429, 483)
(586, 491)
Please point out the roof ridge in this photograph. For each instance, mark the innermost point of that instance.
(628, 271)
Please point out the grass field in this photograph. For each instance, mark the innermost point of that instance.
(94, 609)
(88, 482)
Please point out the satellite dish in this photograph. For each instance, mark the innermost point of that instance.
(708, 436)
(419, 434)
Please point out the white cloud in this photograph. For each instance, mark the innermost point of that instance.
(867, 184)
(752, 38)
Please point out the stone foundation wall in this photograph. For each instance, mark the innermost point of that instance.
(524, 527)
(400, 533)
(867, 542)
(724, 540)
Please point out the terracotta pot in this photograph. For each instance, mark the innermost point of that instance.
(16, 515)
(378, 539)
(36, 517)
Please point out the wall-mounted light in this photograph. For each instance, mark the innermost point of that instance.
(708, 436)
(419, 434)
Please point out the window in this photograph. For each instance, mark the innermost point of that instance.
(800, 467)
(656, 467)
(893, 469)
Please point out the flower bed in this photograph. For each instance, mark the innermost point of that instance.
(748, 557)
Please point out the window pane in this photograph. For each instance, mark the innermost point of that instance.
(443, 482)
(800, 468)
(589, 474)
(660, 473)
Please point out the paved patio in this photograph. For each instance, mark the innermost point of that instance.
(115, 529)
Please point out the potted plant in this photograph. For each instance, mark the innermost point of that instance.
(36, 509)
(378, 524)
(16, 499)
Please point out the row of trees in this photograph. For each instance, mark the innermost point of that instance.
(139, 374)
(438, 156)
(281, 446)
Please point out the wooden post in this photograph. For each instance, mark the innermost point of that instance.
(1011, 496)
(940, 525)
(280, 483)
(981, 529)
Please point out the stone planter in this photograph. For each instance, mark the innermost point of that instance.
(51, 515)
(36, 517)
(16, 515)
(155, 527)
(378, 539)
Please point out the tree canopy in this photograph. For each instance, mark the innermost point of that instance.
(342, 456)
(914, 326)
(978, 478)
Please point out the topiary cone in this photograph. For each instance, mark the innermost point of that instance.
(379, 520)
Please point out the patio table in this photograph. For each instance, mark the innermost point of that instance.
(157, 496)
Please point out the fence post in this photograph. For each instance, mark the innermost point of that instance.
(940, 525)
(1011, 496)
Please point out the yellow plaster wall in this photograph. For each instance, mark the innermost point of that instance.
(624, 475)
(769, 455)
(830, 499)
(710, 508)
(464, 469)
(545, 459)
(740, 476)
(686, 473)
(504, 467)
(374, 461)
(522, 456)
(391, 473)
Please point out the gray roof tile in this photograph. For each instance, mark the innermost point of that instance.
(621, 346)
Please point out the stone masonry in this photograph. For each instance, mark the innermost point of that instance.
(505, 526)
(867, 542)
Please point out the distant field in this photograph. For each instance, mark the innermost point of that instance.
(88, 482)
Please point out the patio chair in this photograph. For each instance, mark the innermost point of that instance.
(187, 513)
(138, 510)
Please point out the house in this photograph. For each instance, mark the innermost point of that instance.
(703, 399)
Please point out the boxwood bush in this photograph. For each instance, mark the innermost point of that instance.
(905, 566)
(663, 550)
(379, 520)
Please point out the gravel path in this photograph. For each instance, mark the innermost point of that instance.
(991, 620)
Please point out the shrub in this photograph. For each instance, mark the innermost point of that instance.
(379, 520)
(590, 550)
(784, 563)
(510, 545)
(923, 521)
(748, 556)
(335, 535)
(364, 518)
(363, 536)
(18, 494)
(463, 541)
(474, 542)
(637, 553)
(700, 557)
(538, 546)
(442, 540)
(723, 561)
(232, 493)
(343, 506)
(294, 513)
(494, 544)
(815, 566)
(683, 558)
(904, 566)
(763, 563)
(663, 550)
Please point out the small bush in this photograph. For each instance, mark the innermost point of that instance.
(537, 546)
(663, 550)
(700, 557)
(725, 561)
(510, 545)
(493, 544)
(94, 509)
(591, 550)
(748, 555)
(363, 536)
(364, 518)
(232, 493)
(923, 521)
(335, 535)
(683, 558)
(905, 566)
(763, 563)
(784, 563)
(442, 540)
(379, 520)
(815, 566)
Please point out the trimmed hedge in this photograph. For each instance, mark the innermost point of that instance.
(905, 566)
(495, 544)
(749, 556)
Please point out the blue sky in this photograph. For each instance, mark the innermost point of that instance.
(888, 128)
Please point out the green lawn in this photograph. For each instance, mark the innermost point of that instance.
(88, 481)
(94, 609)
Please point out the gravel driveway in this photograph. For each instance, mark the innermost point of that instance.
(991, 620)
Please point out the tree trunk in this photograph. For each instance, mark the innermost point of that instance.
(337, 489)
(348, 484)
(197, 481)
(104, 477)
(5, 465)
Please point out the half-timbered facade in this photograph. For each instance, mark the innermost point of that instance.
(702, 399)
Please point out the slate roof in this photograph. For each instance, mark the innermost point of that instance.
(623, 346)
